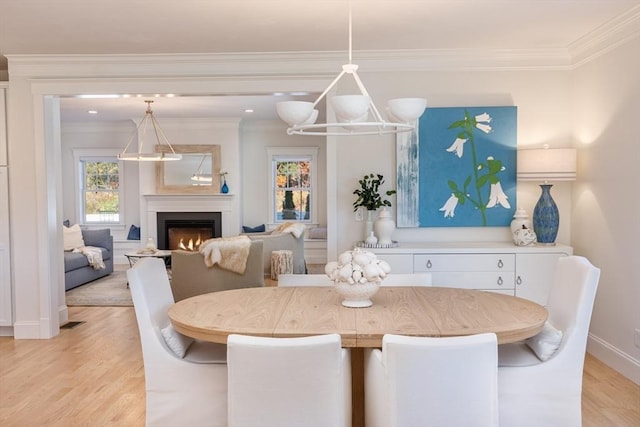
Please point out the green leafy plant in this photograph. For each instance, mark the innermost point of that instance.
(368, 194)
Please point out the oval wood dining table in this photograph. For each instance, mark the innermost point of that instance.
(303, 311)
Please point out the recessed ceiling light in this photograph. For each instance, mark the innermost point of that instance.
(248, 110)
(92, 112)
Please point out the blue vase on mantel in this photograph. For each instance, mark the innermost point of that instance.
(225, 188)
(546, 217)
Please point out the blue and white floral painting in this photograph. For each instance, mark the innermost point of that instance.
(458, 169)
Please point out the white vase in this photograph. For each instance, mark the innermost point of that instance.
(520, 220)
(384, 227)
(368, 223)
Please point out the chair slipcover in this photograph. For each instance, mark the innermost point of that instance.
(416, 279)
(292, 382)
(422, 382)
(549, 393)
(179, 392)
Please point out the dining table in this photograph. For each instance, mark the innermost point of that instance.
(303, 311)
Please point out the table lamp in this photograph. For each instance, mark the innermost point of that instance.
(546, 164)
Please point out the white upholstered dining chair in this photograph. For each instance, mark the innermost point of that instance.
(289, 280)
(292, 382)
(422, 381)
(185, 380)
(415, 279)
(548, 393)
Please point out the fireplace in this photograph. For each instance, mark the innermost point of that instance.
(186, 230)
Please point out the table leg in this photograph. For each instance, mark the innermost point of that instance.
(357, 386)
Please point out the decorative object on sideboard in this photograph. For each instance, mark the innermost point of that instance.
(224, 189)
(371, 239)
(357, 276)
(157, 155)
(384, 227)
(369, 198)
(546, 164)
(521, 230)
(355, 114)
(524, 237)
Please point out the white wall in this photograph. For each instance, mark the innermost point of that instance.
(605, 225)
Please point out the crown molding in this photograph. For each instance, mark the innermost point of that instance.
(220, 65)
(612, 34)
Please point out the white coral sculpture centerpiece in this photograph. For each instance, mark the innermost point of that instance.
(357, 275)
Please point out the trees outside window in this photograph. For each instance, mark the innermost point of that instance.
(293, 179)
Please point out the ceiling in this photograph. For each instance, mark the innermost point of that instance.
(222, 26)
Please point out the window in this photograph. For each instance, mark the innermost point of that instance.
(99, 189)
(292, 181)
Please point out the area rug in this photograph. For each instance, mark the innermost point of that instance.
(111, 290)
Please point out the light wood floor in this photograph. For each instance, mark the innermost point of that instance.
(92, 375)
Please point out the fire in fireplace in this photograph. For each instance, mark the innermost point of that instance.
(187, 230)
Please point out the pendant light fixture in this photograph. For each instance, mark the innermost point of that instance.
(159, 155)
(355, 114)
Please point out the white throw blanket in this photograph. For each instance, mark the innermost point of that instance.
(295, 228)
(94, 256)
(230, 253)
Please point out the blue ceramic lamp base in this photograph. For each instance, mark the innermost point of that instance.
(546, 217)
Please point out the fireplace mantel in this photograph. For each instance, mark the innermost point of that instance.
(226, 204)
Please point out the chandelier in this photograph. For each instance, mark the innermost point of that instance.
(355, 114)
(159, 155)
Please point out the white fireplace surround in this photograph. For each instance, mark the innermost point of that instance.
(225, 204)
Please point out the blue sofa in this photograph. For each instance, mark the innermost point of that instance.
(77, 270)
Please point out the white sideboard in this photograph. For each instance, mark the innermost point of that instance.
(524, 271)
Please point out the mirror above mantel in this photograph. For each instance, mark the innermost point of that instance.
(195, 173)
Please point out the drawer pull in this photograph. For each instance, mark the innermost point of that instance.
(500, 281)
(429, 265)
(500, 263)
(519, 281)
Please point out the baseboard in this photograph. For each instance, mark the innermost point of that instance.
(614, 358)
(6, 331)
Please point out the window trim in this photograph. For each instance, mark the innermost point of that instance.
(97, 154)
(293, 153)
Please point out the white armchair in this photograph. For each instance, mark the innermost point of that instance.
(445, 382)
(275, 382)
(187, 391)
(535, 393)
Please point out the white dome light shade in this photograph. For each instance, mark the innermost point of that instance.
(312, 118)
(350, 107)
(407, 109)
(295, 112)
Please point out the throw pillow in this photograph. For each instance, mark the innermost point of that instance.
(546, 343)
(134, 233)
(72, 237)
(257, 229)
(177, 342)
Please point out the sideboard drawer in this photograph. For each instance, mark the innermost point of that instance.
(475, 280)
(463, 262)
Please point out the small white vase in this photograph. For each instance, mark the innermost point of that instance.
(520, 220)
(368, 223)
(371, 240)
(384, 227)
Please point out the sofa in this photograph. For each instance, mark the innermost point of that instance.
(77, 270)
(275, 241)
(190, 276)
